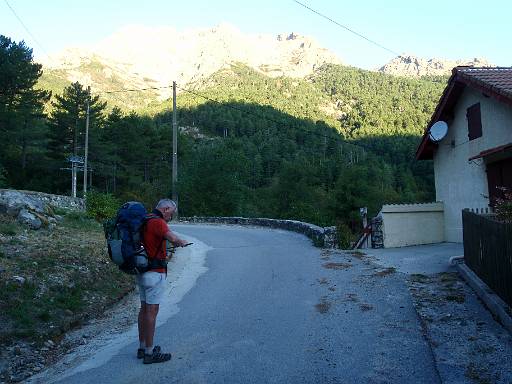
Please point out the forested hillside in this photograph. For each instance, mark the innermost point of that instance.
(313, 149)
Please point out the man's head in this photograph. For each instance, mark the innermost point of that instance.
(167, 207)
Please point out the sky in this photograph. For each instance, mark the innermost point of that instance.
(449, 29)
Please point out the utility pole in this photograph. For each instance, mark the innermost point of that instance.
(73, 179)
(174, 148)
(75, 161)
(86, 139)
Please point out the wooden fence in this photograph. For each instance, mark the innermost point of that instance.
(488, 252)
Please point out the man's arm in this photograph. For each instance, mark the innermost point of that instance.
(175, 239)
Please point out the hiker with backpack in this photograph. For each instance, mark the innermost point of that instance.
(136, 242)
(152, 283)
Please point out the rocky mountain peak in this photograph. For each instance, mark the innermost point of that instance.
(413, 66)
(137, 54)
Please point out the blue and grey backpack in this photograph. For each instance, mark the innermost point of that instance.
(124, 236)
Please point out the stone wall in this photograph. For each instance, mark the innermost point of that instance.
(321, 237)
(377, 235)
(58, 201)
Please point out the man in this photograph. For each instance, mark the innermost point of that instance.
(152, 283)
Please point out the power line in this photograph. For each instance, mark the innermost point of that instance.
(26, 29)
(132, 90)
(348, 29)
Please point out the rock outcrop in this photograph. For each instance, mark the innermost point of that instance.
(412, 66)
(35, 209)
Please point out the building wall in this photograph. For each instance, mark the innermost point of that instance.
(412, 224)
(459, 183)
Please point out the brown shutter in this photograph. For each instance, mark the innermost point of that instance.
(474, 121)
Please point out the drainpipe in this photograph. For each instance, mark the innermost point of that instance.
(454, 259)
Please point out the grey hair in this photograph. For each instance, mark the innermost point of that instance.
(164, 203)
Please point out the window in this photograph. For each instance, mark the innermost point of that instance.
(474, 121)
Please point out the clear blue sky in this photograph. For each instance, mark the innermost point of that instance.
(447, 29)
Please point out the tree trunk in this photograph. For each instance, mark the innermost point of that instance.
(24, 148)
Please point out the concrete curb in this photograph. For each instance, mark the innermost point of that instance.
(495, 304)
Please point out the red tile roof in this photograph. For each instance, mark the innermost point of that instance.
(494, 82)
(497, 79)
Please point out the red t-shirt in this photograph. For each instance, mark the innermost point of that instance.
(154, 240)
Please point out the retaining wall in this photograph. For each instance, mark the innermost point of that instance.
(321, 237)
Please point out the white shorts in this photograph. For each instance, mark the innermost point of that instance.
(151, 287)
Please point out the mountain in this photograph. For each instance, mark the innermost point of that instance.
(412, 66)
(145, 57)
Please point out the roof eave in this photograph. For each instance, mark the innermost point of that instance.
(426, 151)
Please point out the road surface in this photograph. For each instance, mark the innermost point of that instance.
(271, 308)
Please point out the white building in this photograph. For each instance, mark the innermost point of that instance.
(475, 156)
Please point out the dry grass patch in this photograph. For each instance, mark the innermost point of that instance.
(357, 254)
(385, 272)
(365, 307)
(323, 306)
(337, 266)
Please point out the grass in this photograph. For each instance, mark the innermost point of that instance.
(68, 278)
(456, 298)
(419, 278)
(60, 211)
(357, 253)
(478, 375)
(9, 227)
(318, 242)
(79, 220)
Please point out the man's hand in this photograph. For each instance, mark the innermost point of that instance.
(175, 240)
(181, 243)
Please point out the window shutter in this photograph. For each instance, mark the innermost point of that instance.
(474, 121)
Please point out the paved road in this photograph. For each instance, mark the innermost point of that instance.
(271, 309)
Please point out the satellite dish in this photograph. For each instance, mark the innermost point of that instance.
(438, 131)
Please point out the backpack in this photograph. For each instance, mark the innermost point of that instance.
(124, 239)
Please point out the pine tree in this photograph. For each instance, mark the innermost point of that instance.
(22, 125)
(67, 125)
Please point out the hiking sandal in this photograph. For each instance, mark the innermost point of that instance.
(157, 357)
(142, 351)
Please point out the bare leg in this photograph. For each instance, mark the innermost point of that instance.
(149, 321)
(142, 338)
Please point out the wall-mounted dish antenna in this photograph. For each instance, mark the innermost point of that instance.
(438, 131)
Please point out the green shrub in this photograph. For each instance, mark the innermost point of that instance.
(101, 206)
(8, 228)
(60, 211)
(80, 220)
(344, 235)
(3, 177)
(503, 206)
